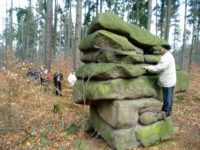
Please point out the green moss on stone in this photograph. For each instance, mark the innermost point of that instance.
(105, 39)
(104, 71)
(136, 35)
(155, 133)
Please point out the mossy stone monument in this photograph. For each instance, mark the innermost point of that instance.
(124, 99)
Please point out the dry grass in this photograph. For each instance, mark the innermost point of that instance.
(26, 112)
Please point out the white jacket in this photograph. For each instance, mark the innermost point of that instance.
(166, 70)
(72, 79)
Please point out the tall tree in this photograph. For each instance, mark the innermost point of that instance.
(193, 15)
(137, 12)
(149, 15)
(184, 31)
(167, 27)
(128, 12)
(77, 34)
(156, 16)
(162, 18)
(11, 26)
(48, 34)
(26, 33)
(55, 30)
(101, 5)
(97, 6)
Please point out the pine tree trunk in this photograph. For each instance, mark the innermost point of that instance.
(26, 33)
(18, 38)
(156, 16)
(193, 33)
(167, 29)
(78, 34)
(149, 15)
(27, 47)
(128, 12)
(68, 35)
(48, 38)
(137, 12)
(174, 40)
(22, 36)
(34, 43)
(162, 18)
(101, 3)
(6, 34)
(55, 31)
(97, 5)
(183, 47)
(197, 47)
(11, 26)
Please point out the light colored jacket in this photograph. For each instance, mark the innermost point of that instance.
(166, 70)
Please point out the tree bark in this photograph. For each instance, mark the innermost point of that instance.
(156, 17)
(97, 5)
(167, 29)
(149, 15)
(193, 33)
(137, 12)
(34, 43)
(26, 33)
(183, 47)
(55, 31)
(11, 26)
(49, 35)
(78, 34)
(162, 18)
(128, 12)
(101, 3)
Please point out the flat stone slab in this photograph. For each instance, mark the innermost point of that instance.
(136, 35)
(118, 139)
(152, 59)
(123, 114)
(105, 39)
(112, 56)
(182, 83)
(104, 71)
(155, 133)
(133, 88)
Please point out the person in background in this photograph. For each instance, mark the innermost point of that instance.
(72, 78)
(29, 74)
(41, 74)
(166, 70)
(57, 78)
(46, 79)
(36, 75)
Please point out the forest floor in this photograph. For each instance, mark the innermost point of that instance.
(27, 120)
(41, 128)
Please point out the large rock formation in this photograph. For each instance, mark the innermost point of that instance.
(125, 100)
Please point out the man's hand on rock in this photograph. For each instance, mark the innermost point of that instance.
(145, 67)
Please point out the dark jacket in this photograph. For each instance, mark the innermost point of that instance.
(57, 77)
(36, 74)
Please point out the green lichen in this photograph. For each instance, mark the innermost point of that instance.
(156, 132)
(136, 35)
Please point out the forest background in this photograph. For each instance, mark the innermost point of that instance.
(48, 32)
(27, 30)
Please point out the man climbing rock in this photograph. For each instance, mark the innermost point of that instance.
(166, 70)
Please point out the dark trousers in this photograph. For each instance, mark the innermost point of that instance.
(58, 86)
(168, 94)
(41, 80)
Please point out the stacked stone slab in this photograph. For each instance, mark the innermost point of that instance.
(124, 99)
